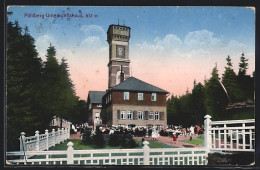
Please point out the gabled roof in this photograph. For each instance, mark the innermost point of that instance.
(134, 84)
(96, 96)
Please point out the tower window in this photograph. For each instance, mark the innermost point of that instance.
(97, 115)
(140, 96)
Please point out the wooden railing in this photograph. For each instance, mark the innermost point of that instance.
(144, 156)
(41, 142)
(229, 135)
(233, 135)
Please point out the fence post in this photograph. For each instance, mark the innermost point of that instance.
(70, 153)
(68, 133)
(22, 142)
(37, 140)
(207, 134)
(58, 136)
(146, 149)
(53, 137)
(61, 135)
(47, 139)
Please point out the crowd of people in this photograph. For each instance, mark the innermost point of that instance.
(154, 133)
(179, 130)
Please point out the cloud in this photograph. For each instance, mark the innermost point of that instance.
(235, 44)
(168, 43)
(43, 42)
(94, 39)
(91, 30)
(201, 39)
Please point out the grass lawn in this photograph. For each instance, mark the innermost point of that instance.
(77, 145)
(196, 141)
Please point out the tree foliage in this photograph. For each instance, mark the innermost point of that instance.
(214, 96)
(36, 90)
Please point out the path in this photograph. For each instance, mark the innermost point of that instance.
(75, 136)
(168, 140)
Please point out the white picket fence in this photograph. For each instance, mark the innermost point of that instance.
(229, 135)
(144, 156)
(235, 135)
(41, 142)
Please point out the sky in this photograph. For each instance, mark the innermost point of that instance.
(169, 47)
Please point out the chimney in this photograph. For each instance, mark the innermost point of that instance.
(122, 75)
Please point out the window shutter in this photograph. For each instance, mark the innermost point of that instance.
(161, 115)
(118, 114)
(135, 115)
(146, 115)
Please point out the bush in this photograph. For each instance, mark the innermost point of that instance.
(99, 140)
(114, 140)
(163, 133)
(87, 138)
(131, 142)
(125, 140)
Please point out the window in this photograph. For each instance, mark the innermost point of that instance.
(126, 95)
(156, 116)
(110, 97)
(129, 114)
(99, 105)
(90, 106)
(151, 116)
(122, 114)
(153, 96)
(97, 115)
(140, 114)
(140, 96)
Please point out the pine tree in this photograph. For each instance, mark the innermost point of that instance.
(216, 99)
(229, 80)
(246, 82)
(51, 82)
(198, 97)
(60, 96)
(23, 78)
(243, 65)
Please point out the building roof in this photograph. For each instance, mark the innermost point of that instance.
(134, 84)
(96, 96)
